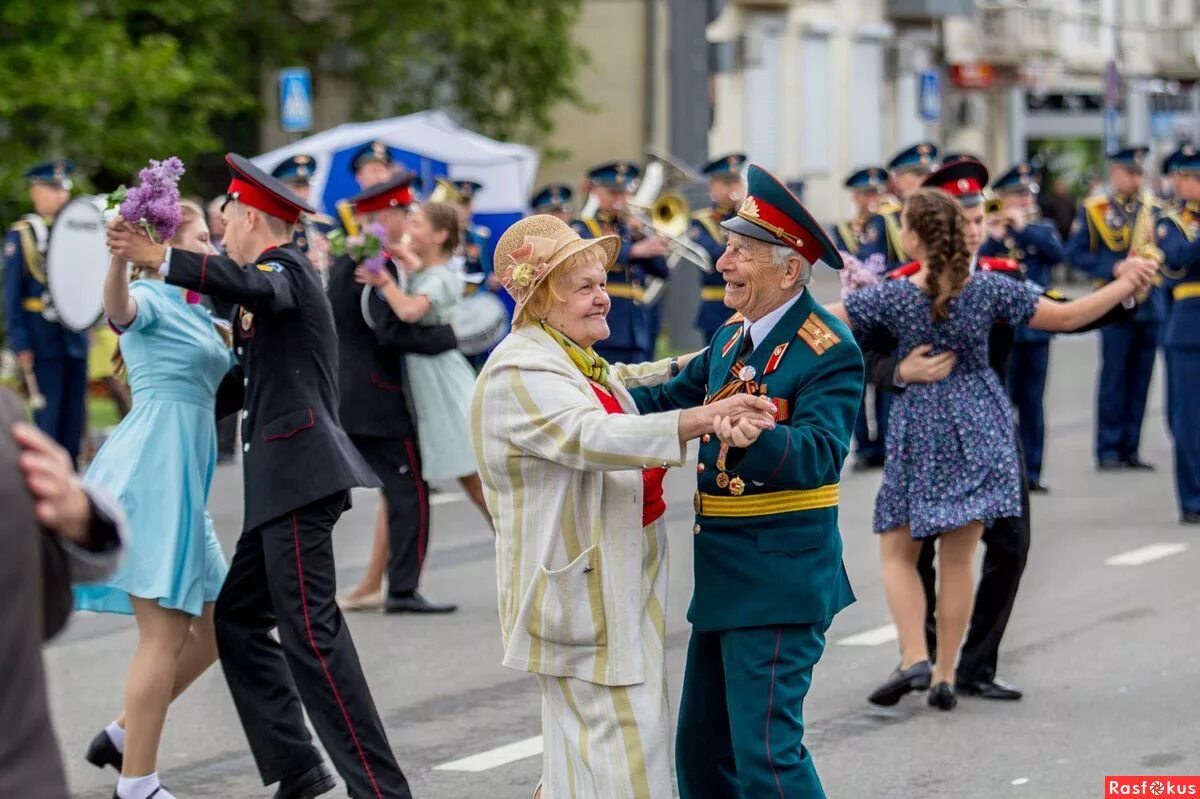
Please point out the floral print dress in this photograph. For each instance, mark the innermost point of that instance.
(951, 445)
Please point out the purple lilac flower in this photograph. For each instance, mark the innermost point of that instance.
(154, 202)
(856, 274)
(374, 264)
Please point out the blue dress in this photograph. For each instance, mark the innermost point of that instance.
(159, 461)
(951, 445)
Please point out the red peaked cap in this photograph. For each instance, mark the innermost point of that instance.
(963, 180)
(254, 187)
(395, 193)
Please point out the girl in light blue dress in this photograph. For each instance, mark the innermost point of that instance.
(159, 463)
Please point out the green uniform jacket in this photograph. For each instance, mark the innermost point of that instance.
(770, 567)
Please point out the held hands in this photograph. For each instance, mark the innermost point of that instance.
(126, 241)
(60, 503)
(921, 367)
(740, 419)
(1138, 273)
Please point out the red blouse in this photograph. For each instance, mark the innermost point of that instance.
(653, 504)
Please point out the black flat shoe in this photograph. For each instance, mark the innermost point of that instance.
(1137, 463)
(1110, 465)
(915, 678)
(942, 696)
(1038, 487)
(988, 689)
(1190, 518)
(415, 603)
(307, 784)
(103, 752)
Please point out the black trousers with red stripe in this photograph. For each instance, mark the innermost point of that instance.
(397, 464)
(282, 576)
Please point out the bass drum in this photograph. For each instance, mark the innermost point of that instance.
(76, 263)
(480, 323)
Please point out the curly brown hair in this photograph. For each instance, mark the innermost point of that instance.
(938, 222)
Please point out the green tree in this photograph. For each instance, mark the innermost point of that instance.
(112, 83)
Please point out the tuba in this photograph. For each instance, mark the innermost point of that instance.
(667, 213)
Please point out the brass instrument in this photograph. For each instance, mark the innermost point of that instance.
(1143, 243)
(37, 401)
(345, 213)
(667, 213)
(446, 192)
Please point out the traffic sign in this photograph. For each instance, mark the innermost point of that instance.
(295, 100)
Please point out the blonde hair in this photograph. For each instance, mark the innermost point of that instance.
(552, 290)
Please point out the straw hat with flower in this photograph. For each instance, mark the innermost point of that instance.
(531, 249)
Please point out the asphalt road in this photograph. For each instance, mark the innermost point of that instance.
(1107, 653)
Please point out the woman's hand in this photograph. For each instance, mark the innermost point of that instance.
(739, 434)
(378, 278)
(131, 244)
(755, 411)
(1137, 272)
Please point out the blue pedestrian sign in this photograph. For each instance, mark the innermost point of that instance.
(929, 98)
(295, 100)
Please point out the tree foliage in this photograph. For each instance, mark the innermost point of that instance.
(111, 83)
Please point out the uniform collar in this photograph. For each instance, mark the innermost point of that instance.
(758, 331)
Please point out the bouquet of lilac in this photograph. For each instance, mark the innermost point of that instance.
(154, 202)
(365, 248)
(858, 274)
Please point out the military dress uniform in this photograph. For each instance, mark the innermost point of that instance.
(768, 565)
(705, 229)
(299, 467)
(631, 338)
(59, 354)
(553, 198)
(1179, 238)
(921, 157)
(1102, 235)
(864, 236)
(1037, 248)
(373, 408)
(298, 170)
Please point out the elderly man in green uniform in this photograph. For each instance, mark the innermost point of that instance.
(768, 554)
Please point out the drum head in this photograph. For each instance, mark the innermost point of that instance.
(480, 323)
(77, 262)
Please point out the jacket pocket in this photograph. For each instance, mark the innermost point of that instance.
(794, 540)
(569, 603)
(288, 425)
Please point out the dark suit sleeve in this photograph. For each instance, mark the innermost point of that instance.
(231, 393)
(404, 337)
(16, 329)
(656, 266)
(1045, 238)
(879, 355)
(1078, 249)
(686, 390)
(259, 287)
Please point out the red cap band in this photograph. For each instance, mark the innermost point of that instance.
(397, 197)
(961, 187)
(263, 200)
(766, 216)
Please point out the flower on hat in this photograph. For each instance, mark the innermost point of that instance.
(529, 264)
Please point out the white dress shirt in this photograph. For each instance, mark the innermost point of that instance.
(759, 330)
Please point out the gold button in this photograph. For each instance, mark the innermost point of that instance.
(695, 529)
(700, 467)
(707, 437)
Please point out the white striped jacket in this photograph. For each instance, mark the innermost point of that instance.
(564, 486)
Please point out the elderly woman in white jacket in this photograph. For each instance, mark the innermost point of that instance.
(573, 481)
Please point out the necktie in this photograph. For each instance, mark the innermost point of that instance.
(747, 346)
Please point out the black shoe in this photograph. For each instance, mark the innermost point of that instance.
(988, 689)
(1190, 518)
(103, 752)
(942, 696)
(915, 678)
(1137, 463)
(1038, 487)
(415, 603)
(307, 784)
(1110, 465)
(868, 463)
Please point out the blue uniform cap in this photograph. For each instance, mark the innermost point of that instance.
(1021, 177)
(297, 169)
(922, 156)
(774, 214)
(467, 188)
(725, 166)
(615, 174)
(371, 151)
(553, 197)
(1188, 162)
(1172, 162)
(871, 177)
(1132, 157)
(56, 172)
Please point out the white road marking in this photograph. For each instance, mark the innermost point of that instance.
(494, 758)
(1146, 554)
(880, 635)
(442, 498)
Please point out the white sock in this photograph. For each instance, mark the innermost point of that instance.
(116, 734)
(141, 787)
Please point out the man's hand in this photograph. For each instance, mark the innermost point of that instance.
(739, 434)
(921, 367)
(1137, 271)
(128, 242)
(379, 278)
(59, 500)
(650, 247)
(25, 358)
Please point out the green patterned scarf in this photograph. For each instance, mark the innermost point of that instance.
(586, 360)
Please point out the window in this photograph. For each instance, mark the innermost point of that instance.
(816, 80)
(866, 105)
(764, 103)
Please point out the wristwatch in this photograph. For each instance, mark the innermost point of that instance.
(673, 367)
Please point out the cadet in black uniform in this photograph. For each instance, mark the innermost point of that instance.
(372, 342)
(299, 467)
